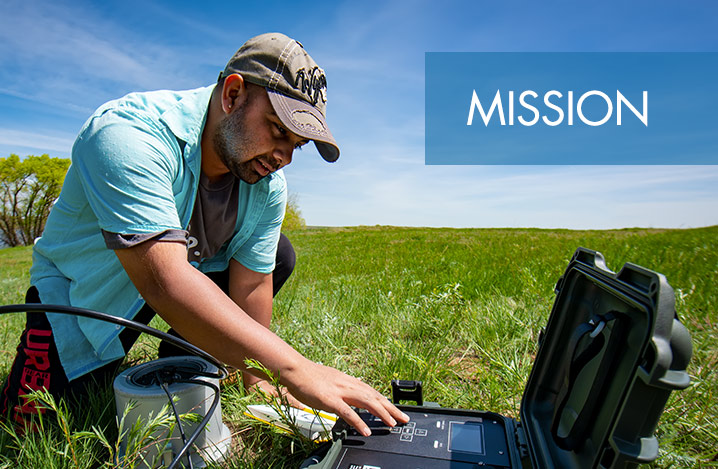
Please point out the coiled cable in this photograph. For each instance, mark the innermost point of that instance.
(176, 341)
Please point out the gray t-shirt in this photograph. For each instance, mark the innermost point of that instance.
(212, 224)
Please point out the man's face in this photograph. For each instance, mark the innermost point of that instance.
(251, 140)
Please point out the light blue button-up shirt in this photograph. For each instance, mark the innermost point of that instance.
(131, 175)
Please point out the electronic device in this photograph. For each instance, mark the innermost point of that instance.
(609, 357)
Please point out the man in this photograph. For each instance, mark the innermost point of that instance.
(163, 188)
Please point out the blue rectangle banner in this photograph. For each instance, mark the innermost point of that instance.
(571, 108)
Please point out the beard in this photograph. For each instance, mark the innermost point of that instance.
(231, 144)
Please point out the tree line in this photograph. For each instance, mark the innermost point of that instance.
(28, 189)
(31, 185)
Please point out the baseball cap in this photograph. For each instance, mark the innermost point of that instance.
(296, 85)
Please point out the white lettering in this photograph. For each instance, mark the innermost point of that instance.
(511, 108)
(475, 103)
(549, 104)
(587, 121)
(642, 116)
(552, 103)
(523, 102)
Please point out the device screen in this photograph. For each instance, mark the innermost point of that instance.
(466, 437)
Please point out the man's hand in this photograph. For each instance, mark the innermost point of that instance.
(200, 312)
(326, 388)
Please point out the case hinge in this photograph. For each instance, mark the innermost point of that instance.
(521, 442)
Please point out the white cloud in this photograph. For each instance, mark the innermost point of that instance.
(62, 54)
(481, 196)
(37, 141)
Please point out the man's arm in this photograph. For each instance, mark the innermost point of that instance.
(252, 292)
(200, 312)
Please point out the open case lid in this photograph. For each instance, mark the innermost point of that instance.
(610, 356)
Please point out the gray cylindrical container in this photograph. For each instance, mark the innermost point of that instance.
(138, 385)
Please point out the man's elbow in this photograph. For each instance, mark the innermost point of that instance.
(157, 269)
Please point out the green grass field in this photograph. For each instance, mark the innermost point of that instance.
(459, 309)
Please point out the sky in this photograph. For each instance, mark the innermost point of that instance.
(60, 60)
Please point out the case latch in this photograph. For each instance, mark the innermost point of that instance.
(404, 390)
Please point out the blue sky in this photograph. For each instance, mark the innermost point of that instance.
(60, 60)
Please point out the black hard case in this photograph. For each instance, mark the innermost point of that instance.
(611, 354)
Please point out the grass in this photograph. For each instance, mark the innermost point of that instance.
(459, 309)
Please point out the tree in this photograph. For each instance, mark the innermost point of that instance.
(293, 217)
(28, 188)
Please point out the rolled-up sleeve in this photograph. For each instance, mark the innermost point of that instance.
(127, 166)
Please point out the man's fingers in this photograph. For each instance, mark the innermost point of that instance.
(353, 419)
(329, 389)
(380, 406)
(400, 416)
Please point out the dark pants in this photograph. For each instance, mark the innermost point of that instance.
(37, 364)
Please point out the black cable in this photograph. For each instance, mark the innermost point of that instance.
(182, 344)
(204, 421)
(163, 385)
(88, 313)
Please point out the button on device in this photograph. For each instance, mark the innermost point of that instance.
(420, 432)
(406, 437)
(396, 429)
